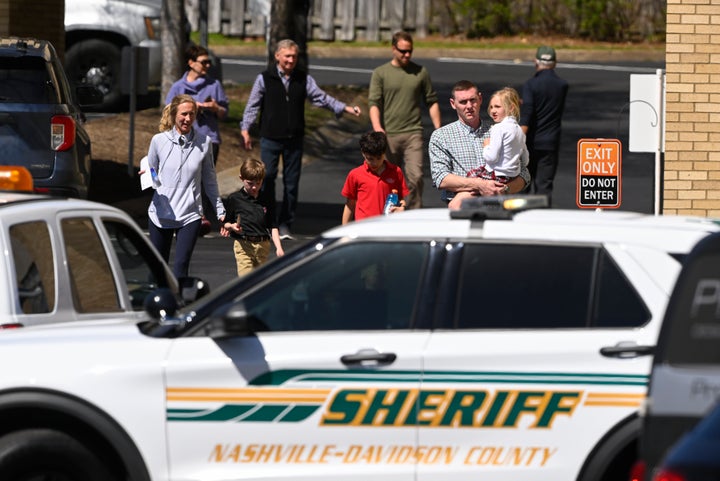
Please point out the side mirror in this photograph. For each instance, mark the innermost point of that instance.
(234, 320)
(161, 303)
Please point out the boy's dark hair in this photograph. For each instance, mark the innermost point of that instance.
(252, 169)
(373, 144)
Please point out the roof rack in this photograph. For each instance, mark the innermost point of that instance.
(498, 207)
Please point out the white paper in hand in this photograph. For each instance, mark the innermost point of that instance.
(146, 179)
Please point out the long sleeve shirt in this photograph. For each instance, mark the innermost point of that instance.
(185, 167)
(506, 153)
(457, 149)
(317, 97)
(543, 104)
(201, 89)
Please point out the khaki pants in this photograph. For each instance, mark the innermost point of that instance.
(406, 150)
(249, 255)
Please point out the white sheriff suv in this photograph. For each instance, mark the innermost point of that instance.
(419, 346)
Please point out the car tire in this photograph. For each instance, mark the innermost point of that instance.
(96, 62)
(614, 455)
(48, 454)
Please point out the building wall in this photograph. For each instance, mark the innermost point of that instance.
(23, 18)
(4, 14)
(692, 144)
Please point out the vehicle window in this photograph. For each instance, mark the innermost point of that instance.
(356, 286)
(26, 79)
(690, 331)
(617, 303)
(542, 286)
(34, 263)
(91, 276)
(142, 271)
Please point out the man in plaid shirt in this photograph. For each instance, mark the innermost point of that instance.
(457, 148)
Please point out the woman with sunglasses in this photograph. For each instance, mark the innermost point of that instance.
(212, 106)
(207, 92)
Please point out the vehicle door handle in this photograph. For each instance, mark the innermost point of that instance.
(368, 356)
(627, 350)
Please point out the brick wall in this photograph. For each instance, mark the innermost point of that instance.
(692, 143)
(43, 19)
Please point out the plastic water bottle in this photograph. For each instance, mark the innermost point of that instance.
(155, 178)
(391, 201)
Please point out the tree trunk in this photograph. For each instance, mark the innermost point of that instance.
(173, 38)
(288, 19)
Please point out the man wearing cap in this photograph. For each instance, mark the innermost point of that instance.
(543, 102)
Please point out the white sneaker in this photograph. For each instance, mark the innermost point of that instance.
(285, 232)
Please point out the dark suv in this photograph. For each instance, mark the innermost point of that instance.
(41, 124)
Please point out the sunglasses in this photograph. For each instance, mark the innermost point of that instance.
(206, 63)
(404, 52)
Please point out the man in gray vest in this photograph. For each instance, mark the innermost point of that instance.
(278, 98)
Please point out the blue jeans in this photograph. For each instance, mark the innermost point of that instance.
(291, 151)
(185, 244)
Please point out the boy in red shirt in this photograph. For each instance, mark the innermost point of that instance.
(367, 186)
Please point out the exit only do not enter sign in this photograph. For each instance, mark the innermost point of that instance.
(598, 173)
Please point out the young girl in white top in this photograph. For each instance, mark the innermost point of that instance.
(504, 152)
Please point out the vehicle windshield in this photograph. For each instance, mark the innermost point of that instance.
(194, 314)
(25, 80)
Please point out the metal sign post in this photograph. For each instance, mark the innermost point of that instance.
(135, 67)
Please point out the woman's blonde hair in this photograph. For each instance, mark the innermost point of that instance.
(167, 121)
(510, 100)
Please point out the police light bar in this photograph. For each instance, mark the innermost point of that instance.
(17, 178)
(498, 207)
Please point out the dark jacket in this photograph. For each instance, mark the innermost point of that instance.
(283, 113)
(543, 103)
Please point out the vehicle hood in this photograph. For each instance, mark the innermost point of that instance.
(61, 355)
(112, 15)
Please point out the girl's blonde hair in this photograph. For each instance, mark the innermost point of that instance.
(167, 121)
(510, 100)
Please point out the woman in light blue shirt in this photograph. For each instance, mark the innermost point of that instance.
(182, 159)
